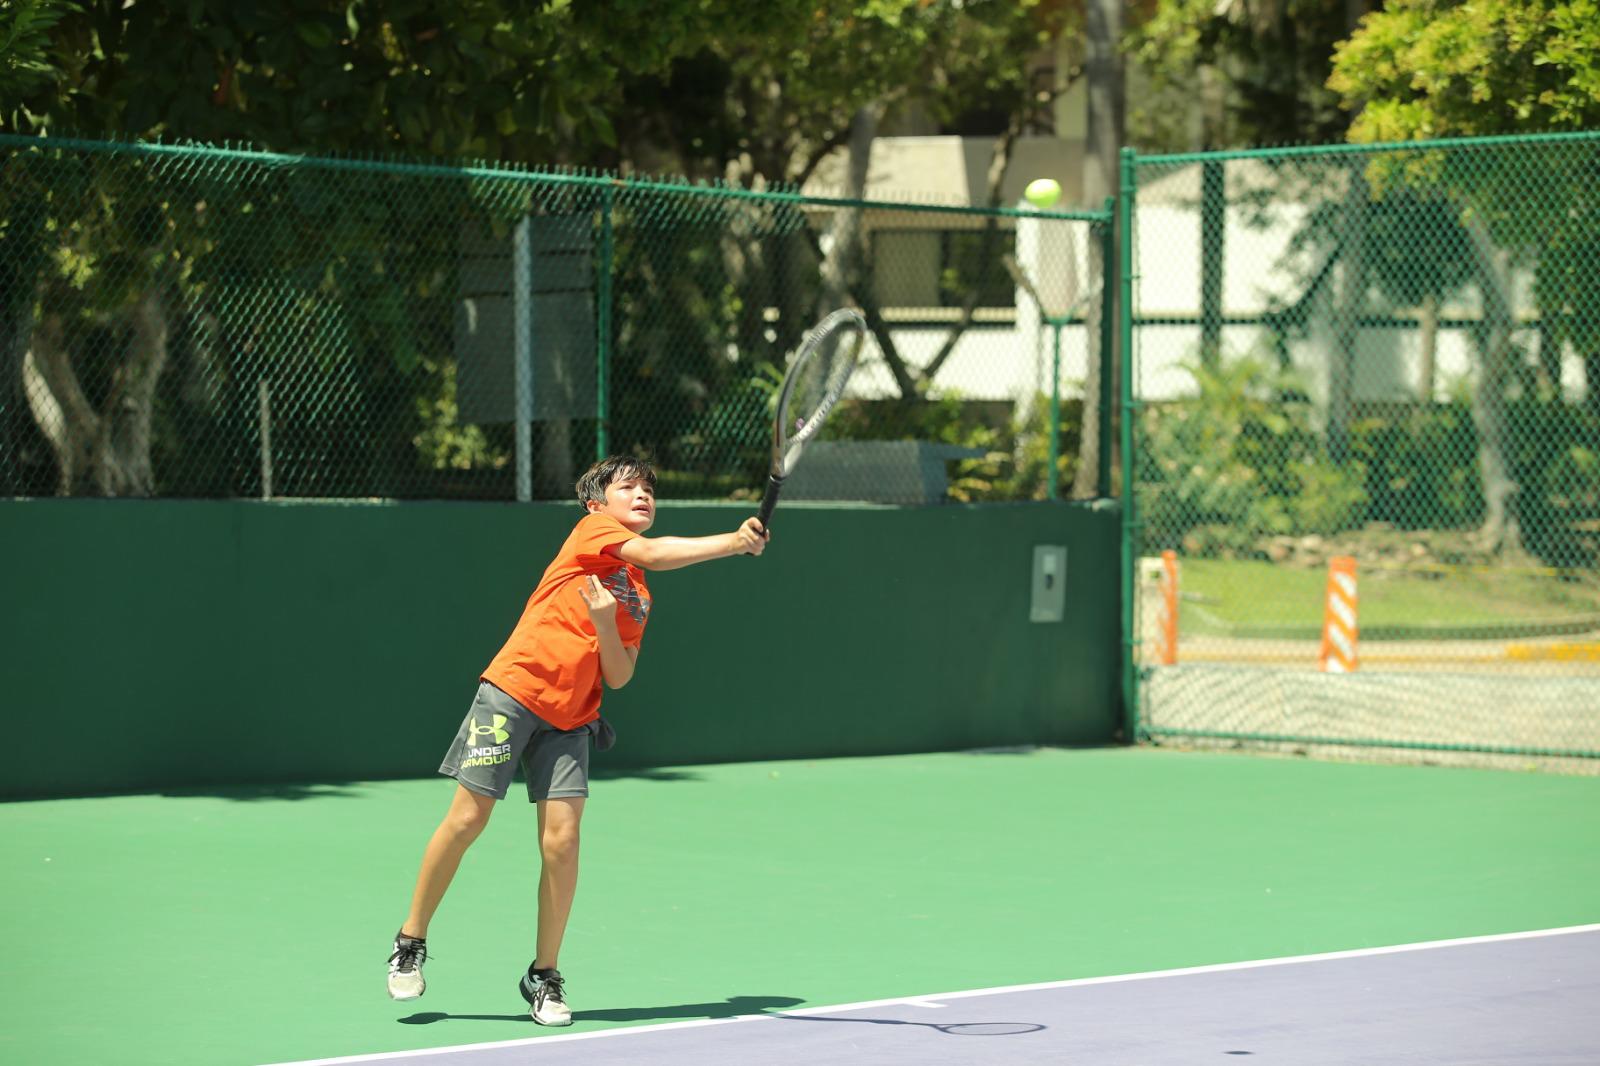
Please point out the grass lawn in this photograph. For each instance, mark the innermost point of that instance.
(1221, 597)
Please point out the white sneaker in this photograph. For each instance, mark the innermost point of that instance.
(546, 997)
(405, 967)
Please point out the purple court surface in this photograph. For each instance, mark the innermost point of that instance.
(1522, 998)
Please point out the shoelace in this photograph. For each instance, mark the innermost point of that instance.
(407, 954)
(554, 987)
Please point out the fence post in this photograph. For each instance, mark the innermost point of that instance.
(1125, 367)
(1108, 362)
(522, 351)
(602, 298)
(1054, 480)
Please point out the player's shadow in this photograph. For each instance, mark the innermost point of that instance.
(256, 793)
(643, 773)
(947, 1028)
(732, 1007)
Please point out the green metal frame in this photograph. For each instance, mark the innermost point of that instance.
(1133, 730)
(1364, 742)
(1136, 729)
(602, 297)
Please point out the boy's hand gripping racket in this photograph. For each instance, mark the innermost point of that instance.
(817, 375)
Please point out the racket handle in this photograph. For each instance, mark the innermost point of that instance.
(769, 501)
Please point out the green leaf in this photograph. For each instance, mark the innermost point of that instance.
(316, 34)
(603, 129)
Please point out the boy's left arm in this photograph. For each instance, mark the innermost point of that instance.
(671, 553)
(616, 660)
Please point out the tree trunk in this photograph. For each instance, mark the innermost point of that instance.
(1591, 383)
(1428, 344)
(839, 271)
(60, 409)
(999, 164)
(20, 269)
(1500, 530)
(102, 452)
(1349, 300)
(124, 467)
(1102, 71)
(555, 471)
(842, 246)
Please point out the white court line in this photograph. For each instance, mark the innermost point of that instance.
(927, 1001)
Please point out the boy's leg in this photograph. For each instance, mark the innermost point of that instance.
(482, 759)
(558, 877)
(469, 813)
(557, 768)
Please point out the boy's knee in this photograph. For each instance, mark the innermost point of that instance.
(468, 822)
(559, 844)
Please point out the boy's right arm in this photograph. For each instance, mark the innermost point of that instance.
(670, 553)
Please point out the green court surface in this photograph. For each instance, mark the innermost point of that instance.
(252, 926)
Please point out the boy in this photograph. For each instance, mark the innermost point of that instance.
(539, 702)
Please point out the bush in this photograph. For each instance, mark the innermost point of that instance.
(1236, 463)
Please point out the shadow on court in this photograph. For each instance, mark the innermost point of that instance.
(948, 1028)
(257, 793)
(732, 1007)
(643, 773)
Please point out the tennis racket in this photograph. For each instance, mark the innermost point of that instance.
(816, 378)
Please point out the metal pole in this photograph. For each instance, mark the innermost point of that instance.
(264, 393)
(1108, 307)
(1054, 480)
(1130, 664)
(522, 330)
(602, 298)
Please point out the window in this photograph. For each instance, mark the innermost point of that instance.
(940, 268)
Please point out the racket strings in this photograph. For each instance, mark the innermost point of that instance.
(819, 375)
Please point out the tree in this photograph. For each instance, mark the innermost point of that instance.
(765, 108)
(523, 82)
(1424, 69)
(1257, 69)
(486, 79)
(25, 46)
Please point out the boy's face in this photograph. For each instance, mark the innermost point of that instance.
(629, 500)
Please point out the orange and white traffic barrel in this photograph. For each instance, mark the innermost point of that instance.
(1337, 654)
(1169, 608)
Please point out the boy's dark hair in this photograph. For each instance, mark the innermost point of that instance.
(595, 480)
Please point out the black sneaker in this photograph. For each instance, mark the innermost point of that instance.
(546, 996)
(405, 967)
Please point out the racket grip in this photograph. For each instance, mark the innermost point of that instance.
(769, 501)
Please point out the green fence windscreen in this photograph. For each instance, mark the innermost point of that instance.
(1366, 445)
(214, 642)
(195, 322)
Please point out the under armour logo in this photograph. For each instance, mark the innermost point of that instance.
(495, 730)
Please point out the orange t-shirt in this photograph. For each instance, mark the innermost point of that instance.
(551, 662)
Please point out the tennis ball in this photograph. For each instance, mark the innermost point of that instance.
(1043, 192)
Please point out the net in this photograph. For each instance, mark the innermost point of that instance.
(1366, 446)
(183, 321)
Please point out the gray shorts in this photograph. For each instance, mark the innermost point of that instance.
(498, 733)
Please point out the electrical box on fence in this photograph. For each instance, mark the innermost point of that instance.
(1049, 600)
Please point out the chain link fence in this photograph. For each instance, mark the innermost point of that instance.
(200, 322)
(1366, 446)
